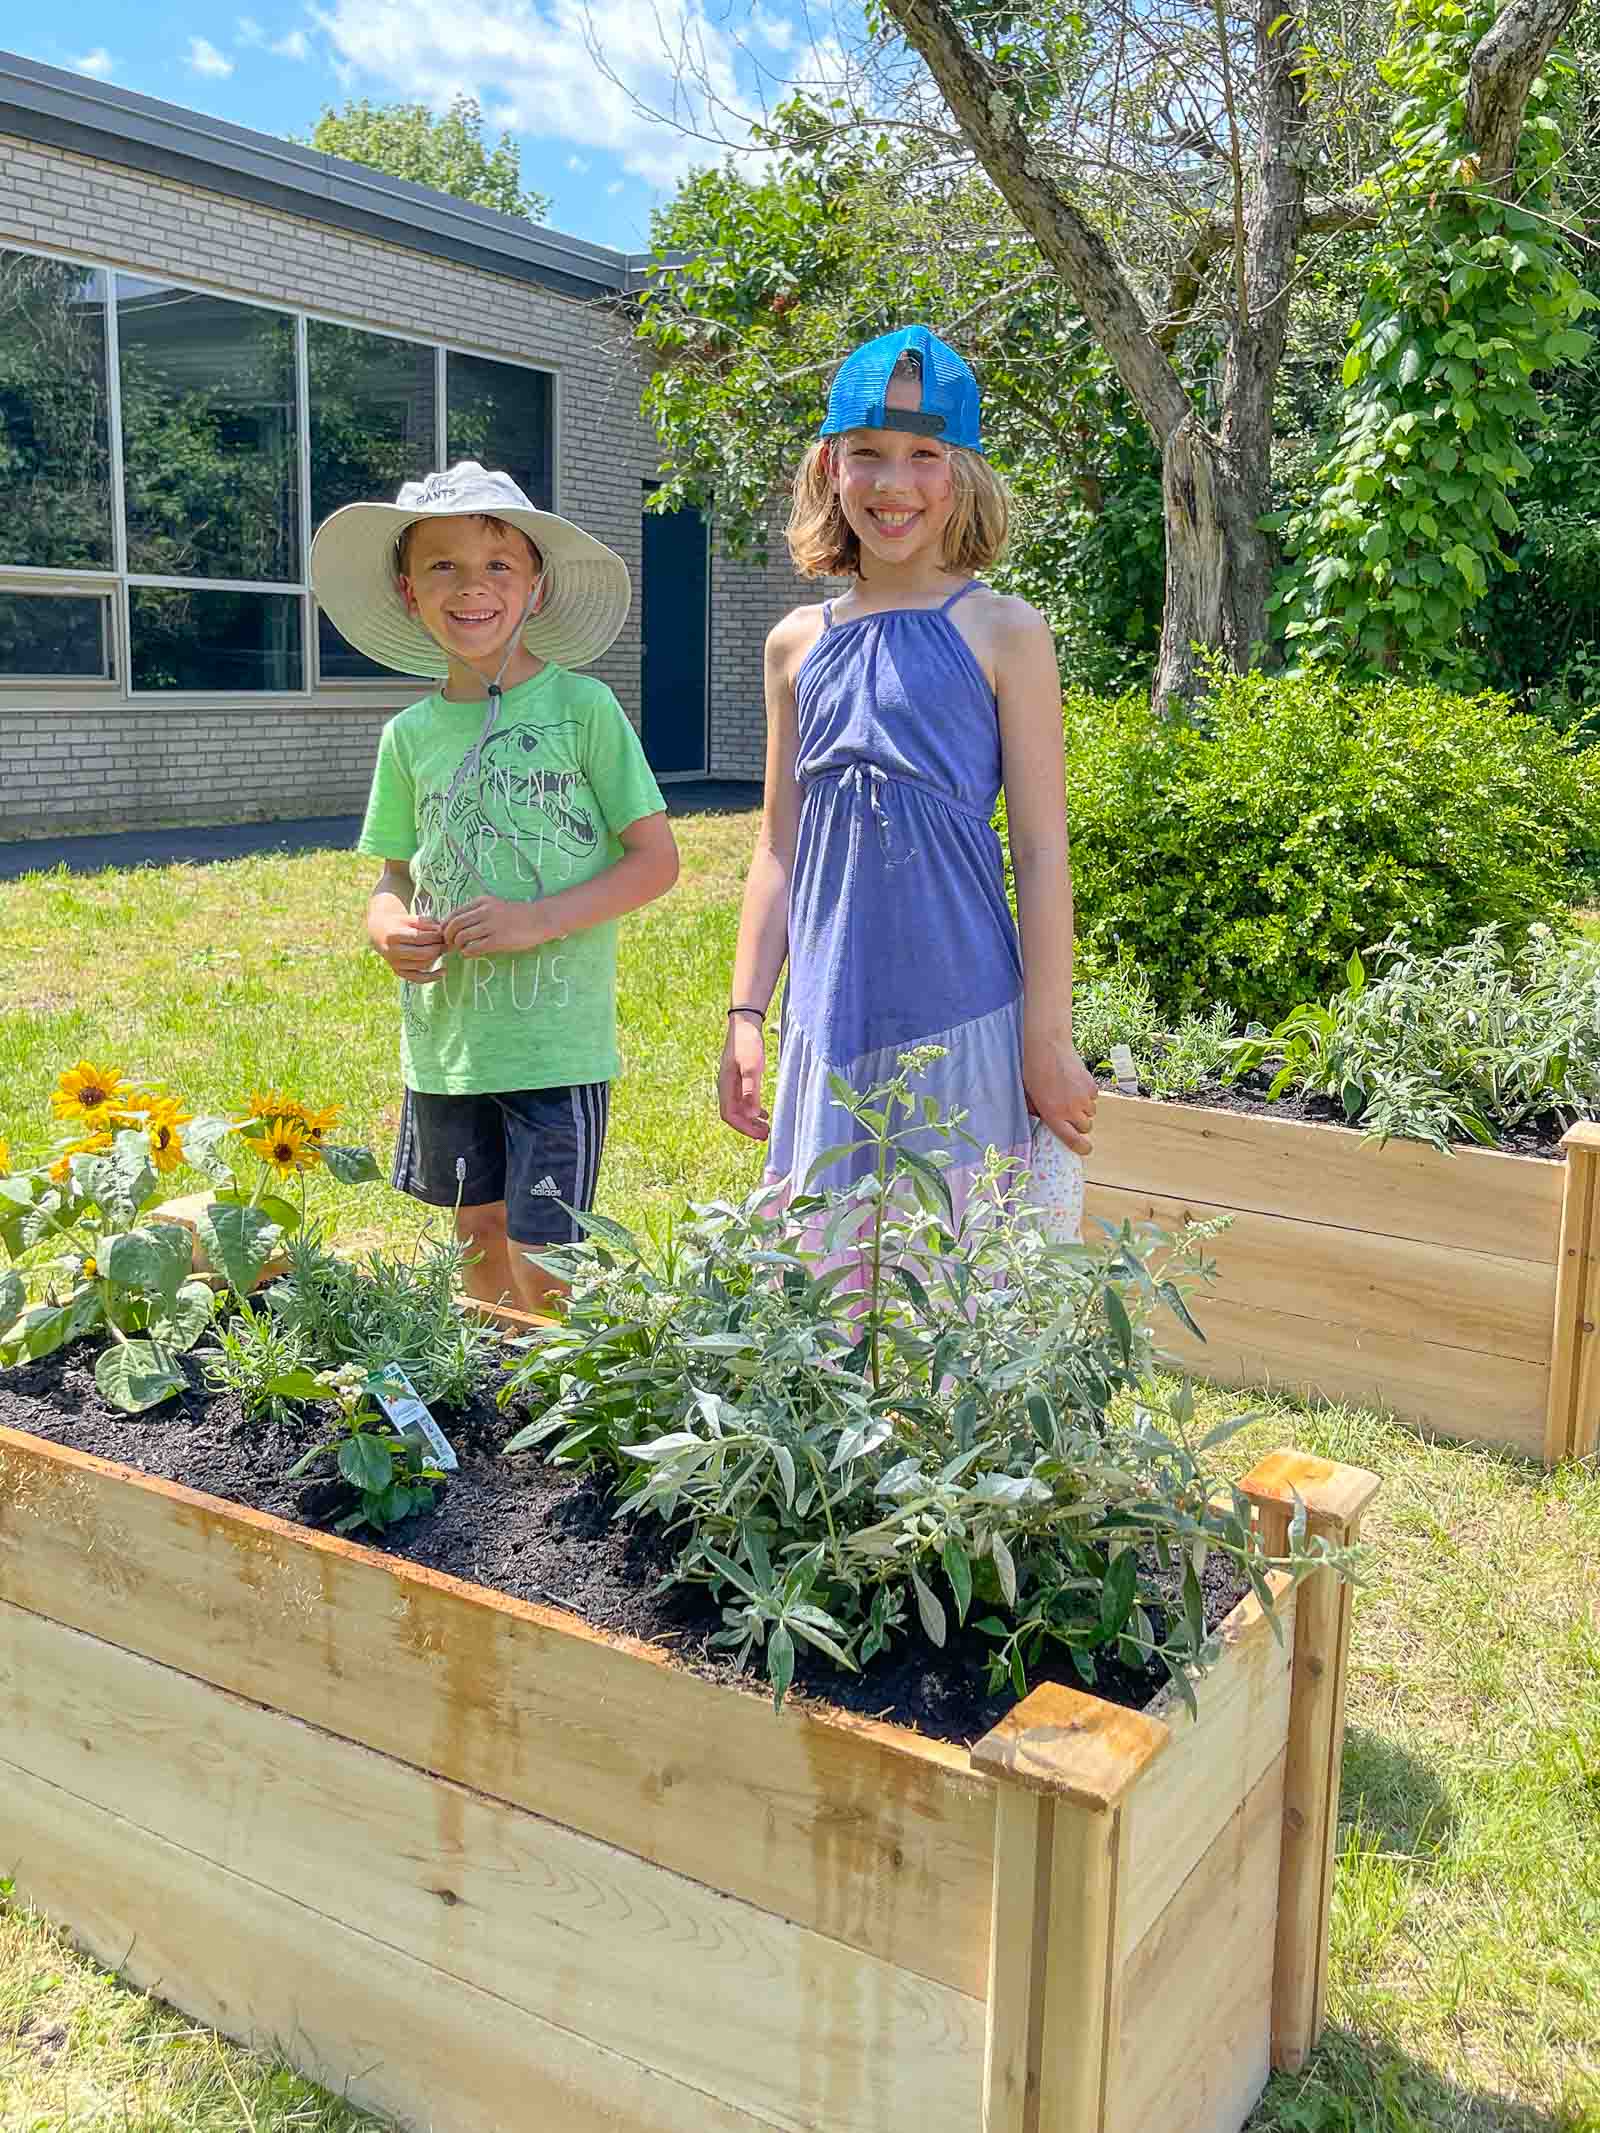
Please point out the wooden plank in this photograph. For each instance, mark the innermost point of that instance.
(1082, 1981)
(1192, 2051)
(387, 2031)
(1572, 1425)
(637, 1960)
(1189, 1796)
(866, 1833)
(1073, 1746)
(1482, 1399)
(1368, 1283)
(1509, 1205)
(1024, 1830)
(1334, 1499)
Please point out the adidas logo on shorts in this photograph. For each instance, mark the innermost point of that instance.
(546, 1189)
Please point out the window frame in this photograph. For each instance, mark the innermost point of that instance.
(67, 585)
(118, 580)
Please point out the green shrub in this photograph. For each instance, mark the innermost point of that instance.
(1244, 854)
(1476, 1041)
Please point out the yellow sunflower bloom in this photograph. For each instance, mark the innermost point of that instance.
(275, 1104)
(5, 1157)
(94, 1144)
(88, 1092)
(166, 1142)
(319, 1124)
(284, 1149)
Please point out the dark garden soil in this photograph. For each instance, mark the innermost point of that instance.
(531, 1530)
(1540, 1137)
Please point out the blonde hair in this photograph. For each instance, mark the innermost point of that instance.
(822, 545)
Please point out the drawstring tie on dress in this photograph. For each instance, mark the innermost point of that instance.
(868, 782)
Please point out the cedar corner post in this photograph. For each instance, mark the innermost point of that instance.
(1335, 1498)
(1572, 1424)
(1064, 1764)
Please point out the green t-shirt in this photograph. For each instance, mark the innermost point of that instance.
(558, 777)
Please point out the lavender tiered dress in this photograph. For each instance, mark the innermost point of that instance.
(899, 929)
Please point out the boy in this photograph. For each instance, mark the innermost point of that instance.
(516, 821)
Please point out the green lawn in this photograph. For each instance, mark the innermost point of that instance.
(1466, 1968)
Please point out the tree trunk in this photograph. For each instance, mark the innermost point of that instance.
(1499, 78)
(1219, 562)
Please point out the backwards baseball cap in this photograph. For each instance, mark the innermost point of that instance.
(949, 407)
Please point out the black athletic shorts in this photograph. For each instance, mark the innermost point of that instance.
(532, 1148)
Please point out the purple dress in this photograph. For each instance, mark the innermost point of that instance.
(899, 929)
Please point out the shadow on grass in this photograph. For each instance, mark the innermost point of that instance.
(1393, 1797)
(1357, 2084)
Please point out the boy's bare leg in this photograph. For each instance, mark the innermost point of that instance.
(501, 1272)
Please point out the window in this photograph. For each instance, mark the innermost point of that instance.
(374, 424)
(55, 636)
(215, 640)
(209, 435)
(500, 416)
(55, 452)
(163, 452)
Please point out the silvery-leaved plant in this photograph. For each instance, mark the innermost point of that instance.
(869, 1412)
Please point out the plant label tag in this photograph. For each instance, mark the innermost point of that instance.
(397, 1396)
(1126, 1073)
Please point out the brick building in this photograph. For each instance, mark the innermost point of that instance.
(210, 338)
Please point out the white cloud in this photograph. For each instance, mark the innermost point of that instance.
(204, 58)
(295, 46)
(577, 165)
(250, 31)
(535, 58)
(775, 30)
(99, 62)
(613, 188)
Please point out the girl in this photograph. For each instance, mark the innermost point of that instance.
(895, 713)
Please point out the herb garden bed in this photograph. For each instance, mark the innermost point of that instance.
(1461, 1292)
(469, 1860)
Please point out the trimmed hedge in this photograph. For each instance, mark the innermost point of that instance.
(1240, 854)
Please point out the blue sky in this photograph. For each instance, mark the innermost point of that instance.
(581, 122)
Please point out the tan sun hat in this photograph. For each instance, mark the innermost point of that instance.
(354, 573)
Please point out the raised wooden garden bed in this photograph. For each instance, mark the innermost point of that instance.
(483, 1868)
(1461, 1292)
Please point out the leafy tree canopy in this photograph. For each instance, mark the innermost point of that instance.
(441, 149)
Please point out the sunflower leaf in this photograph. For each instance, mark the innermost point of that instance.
(238, 1241)
(351, 1166)
(184, 1316)
(13, 1298)
(134, 1375)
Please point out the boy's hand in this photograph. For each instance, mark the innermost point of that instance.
(491, 925)
(412, 947)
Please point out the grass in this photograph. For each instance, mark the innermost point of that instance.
(1465, 1994)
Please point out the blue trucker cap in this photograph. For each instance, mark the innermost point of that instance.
(949, 390)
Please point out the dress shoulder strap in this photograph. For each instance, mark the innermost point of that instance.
(960, 593)
(827, 614)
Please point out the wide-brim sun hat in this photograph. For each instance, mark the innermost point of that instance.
(950, 406)
(585, 589)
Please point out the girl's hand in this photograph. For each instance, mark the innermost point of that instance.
(744, 1063)
(1061, 1090)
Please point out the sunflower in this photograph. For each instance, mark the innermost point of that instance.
(5, 1157)
(166, 1142)
(277, 1104)
(284, 1148)
(88, 1092)
(319, 1124)
(95, 1144)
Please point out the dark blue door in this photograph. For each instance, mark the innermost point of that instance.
(672, 620)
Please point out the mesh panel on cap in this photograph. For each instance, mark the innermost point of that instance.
(949, 390)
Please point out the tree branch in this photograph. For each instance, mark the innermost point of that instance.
(1322, 217)
(976, 95)
(1500, 75)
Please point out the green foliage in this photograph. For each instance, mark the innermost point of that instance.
(1117, 1006)
(1242, 855)
(55, 453)
(390, 1475)
(254, 1350)
(441, 149)
(1470, 296)
(866, 1412)
(385, 1310)
(1473, 1042)
(117, 1272)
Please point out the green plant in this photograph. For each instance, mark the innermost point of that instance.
(1473, 1042)
(1243, 854)
(384, 1309)
(391, 1475)
(1115, 1005)
(253, 1350)
(1470, 294)
(870, 1407)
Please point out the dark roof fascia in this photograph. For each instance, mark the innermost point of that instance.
(93, 118)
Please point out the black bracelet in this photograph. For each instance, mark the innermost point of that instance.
(760, 1013)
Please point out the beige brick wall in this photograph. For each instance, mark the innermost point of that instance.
(81, 760)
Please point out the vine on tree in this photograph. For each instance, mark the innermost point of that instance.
(1470, 296)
